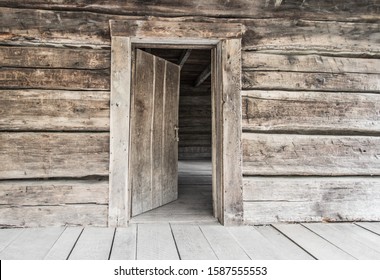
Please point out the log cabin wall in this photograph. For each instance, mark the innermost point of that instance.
(310, 97)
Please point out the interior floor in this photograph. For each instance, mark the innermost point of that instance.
(194, 203)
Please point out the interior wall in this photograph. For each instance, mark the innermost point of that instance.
(310, 93)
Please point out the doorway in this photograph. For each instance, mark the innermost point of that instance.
(154, 199)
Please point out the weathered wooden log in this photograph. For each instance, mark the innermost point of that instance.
(312, 199)
(74, 79)
(43, 155)
(320, 10)
(311, 81)
(53, 110)
(311, 112)
(17, 193)
(282, 154)
(44, 57)
(308, 63)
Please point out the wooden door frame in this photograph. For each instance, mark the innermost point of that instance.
(225, 41)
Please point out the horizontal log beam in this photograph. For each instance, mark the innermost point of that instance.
(203, 76)
(44, 155)
(311, 112)
(282, 154)
(54, 110)
(271, 200)
(184, 57)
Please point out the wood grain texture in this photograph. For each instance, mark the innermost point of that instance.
(53, 192)
(155, 242)
(51, 110)
(374, 227)
(24, 78)
(32, 244)
(351, 82)
(93, 244)
(314, 244)
(48, 57)
(120, 99)
(65, 243)
(37, 155)
(58, 215)
(124, 244)
(300, 199)
(317, 112)
(308, 63)
(319, 10)
(282, 154)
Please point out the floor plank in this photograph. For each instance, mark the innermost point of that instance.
(8, 235)
(124, 244)
(65, 244)
(93, 244)
(312, 243)
(344, 240)
(374, 227)
(254, 244)
(223, 244)
(155, 242)
(286, 248)
(31, 244)
(191, 243)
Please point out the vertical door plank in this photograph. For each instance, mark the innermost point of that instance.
(313, 243)
(345, 240)
(222, 243)
(286, 249)
(93, 244)
(32, 244)
(254, 244)
(170, 145)
(155, 242)
(141, 156)
(191, 243)
(119, 131)
(65, 244)
(7, 236)
(124, 244)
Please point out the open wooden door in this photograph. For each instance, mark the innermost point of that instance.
(154, 133)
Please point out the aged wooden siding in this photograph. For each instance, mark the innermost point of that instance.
(310, 105)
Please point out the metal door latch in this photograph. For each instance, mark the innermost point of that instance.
(176, 129)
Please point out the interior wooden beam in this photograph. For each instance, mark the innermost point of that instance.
(203, 76)
(183, 58)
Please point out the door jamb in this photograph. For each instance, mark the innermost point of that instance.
(226, 111)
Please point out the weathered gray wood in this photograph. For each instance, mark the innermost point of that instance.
(36, 155)
(59, 215)
(223, 244)
(32, 244)
(345, 241)
(352, 82)
(46, 110)
(64, 245)
(312, 243)
(8, 235)
(282, 154)
(319, 10)
(180, 29)
(256, 246)
(298, 199)
(374, 227)
(53, 192)
(93, 244)
(255, 61)
(52, 58)
(310, 111)
(121, 68)
(77, 79)
(286, 249)
(124, 243)
(155, 242)
(154, 147)
(191, 243)
(231, 131)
